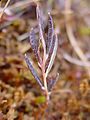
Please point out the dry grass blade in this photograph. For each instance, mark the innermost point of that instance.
(4, 8)
(75, 61)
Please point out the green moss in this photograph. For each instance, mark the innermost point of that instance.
(84, 31)
(40, 100)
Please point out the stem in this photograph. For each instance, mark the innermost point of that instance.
(44, 76)
(44, 79)
(46, 89)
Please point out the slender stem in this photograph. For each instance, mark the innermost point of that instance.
(44, 75)
(44, 79)
(46, 89)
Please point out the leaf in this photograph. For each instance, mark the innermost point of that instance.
(52, 82)
(40, 17)
(50, 33)
(40, 29)
(33, 71)
(33, 40)
(50, 53)
(52, 56)
(34, 44)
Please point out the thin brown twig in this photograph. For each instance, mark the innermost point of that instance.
(71, 37)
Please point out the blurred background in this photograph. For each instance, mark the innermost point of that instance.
(20, 96)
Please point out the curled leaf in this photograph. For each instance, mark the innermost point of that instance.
(33, 71)
(50, 53)
(52, 82)
(52, 56)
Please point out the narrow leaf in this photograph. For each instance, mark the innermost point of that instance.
(50, 53)
(33, 39)
(40, 30)
(50, 33)
(52, 82)
(53, 56)
(33, 71)
(40, 18)
(34, 44)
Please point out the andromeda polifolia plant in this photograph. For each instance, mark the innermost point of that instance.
(45, 61)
